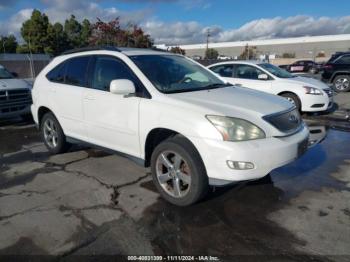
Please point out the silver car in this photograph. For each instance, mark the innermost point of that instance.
(15, 95)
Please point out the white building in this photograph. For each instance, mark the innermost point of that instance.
(302, 47)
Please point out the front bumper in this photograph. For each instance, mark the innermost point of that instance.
(18, 111)
(316, 103)
(266, 155)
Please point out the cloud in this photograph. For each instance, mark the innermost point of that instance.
(175, 33)
(14, 23)
(266, 28)
(287, 27)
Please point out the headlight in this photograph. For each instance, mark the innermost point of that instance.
(312, 91)
(236, 129)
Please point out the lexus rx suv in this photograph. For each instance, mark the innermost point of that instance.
(166, 112)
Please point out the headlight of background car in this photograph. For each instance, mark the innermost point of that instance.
(236, 129)
(312, 91)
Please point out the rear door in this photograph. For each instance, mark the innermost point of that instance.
(224, 71)
(112, 120)
(69, 80)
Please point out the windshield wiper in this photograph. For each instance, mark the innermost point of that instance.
(217, 85)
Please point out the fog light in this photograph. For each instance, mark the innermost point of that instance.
(239, 165)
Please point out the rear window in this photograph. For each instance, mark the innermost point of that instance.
(71, 72)
(57, 74)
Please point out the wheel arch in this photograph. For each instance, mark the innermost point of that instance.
(338, 73)
(157, 136)
(41, 112)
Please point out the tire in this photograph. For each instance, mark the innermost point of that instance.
(294, 99)
(191, 167)
(341, 83)
(54, 140)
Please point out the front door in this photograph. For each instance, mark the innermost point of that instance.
(112, 121)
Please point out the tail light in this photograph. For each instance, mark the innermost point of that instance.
(327, 67)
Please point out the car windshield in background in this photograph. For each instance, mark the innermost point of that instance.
(176, 74)
(4, 74)
(276, 71)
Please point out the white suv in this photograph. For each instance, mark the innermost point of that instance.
(169, 113)
(307, 94)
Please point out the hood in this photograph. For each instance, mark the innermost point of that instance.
(234, 101)
(307, 81)
(8, 84)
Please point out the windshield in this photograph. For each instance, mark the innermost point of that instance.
(176, 74)
(4, 74)
(276, 71)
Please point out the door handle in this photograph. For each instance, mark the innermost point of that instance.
(238, 84)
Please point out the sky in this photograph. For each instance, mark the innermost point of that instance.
(175, 22)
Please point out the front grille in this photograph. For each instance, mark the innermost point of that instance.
(14, 100)
(286, 122)
(329, 92)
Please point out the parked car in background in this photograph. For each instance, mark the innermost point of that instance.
(15, 95)
(196, 57)
(307, 94)
(167, 112)
(337, 71)
(304, 66)
(224, 57)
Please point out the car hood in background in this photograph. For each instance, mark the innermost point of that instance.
(307, 81)
(234, 101)
(8, 84)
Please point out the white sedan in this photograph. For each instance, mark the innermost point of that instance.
(307, 94)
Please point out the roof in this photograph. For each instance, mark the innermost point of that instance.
(280, 41)
(125, 50)
(254, 62)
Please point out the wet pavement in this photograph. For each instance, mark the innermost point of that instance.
(90, 202)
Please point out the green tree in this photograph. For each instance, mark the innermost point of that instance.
(8, 44)
(288, 55)
(73, 30)
(34, 33)
(177, 50)
(211, 53)
(85, 32)
(58, 41)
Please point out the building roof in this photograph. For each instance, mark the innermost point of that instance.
(280, 41)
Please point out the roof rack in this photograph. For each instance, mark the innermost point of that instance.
(91, 48)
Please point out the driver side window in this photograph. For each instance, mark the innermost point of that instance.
(247, 72)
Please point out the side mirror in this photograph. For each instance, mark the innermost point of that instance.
(263, 77)
(122, 87)
(14, 74)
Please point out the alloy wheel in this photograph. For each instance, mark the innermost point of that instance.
(173, 174)
(342, 84)
(50, 133)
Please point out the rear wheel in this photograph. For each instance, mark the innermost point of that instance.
(341, 83)
(294, 99)
(52, 134)
(178, 172)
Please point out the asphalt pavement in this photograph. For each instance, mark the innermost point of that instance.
(89, 202)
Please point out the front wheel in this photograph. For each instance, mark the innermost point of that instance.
(293, 99)
(52, 134)
(341, 83)
(178, 172)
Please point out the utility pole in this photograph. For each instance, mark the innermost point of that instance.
(208, 36)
